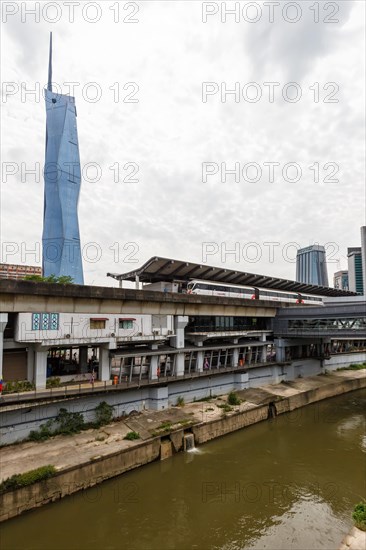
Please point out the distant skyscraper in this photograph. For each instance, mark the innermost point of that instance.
(355, 282)
(340, 280)
(311, 267)
(62, 178)
(363, 253)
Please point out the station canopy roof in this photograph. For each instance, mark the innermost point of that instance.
(167, 269)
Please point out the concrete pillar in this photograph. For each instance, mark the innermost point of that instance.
(263, 356)
(280, 349)
(30, 364)
(199, 361)
(180, 322)
(179, 364)
(153, 372)
(177, 341)
(104, 363)
(83, 359)
(3, 323)
(235, 357)
(40, 368)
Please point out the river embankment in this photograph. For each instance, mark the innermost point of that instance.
(90, 457)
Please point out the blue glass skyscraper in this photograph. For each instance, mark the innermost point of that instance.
(311, 267)
(62, 179)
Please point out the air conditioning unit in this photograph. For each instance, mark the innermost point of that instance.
(139, 334)
(170, 332)
(67, 336)
(113, 335)
(156, 332)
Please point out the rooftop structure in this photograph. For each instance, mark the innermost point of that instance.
(167, 269)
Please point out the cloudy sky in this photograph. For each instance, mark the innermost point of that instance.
(158, 127)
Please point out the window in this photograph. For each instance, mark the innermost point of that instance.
(126, 323)
(97, 323)
(45, 321)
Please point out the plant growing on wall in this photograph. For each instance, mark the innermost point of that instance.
(103, 414)
(359, 515)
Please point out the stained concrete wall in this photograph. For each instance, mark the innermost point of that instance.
(72, 480)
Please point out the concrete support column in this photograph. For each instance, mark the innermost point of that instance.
(83, 359)
(177, 341)
(153, 372)
(199, 361)
(180, 322)
(235, 357)
(104, 363)
(263, 355)
(30, 364)
(40, 368)
(280, 349)
(179, 364)
(3, 323)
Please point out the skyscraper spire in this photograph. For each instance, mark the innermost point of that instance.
(49, 86)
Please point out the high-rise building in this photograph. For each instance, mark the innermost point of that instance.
(62, 179)
(15, 271)
(355, 282)
(340, 280)
(311, 267)
(363, 254)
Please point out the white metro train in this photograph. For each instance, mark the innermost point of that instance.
(251, 293)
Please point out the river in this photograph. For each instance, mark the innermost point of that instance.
(288, 483)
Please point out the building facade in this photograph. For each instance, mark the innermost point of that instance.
(62, 178)
(340, 280)
(355, 276)
(363, 253)
(311, 267)
(15, 271)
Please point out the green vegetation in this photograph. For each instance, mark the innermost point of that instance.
(63, 280)
(68, 423)
(132, 435)
(354, 366)
(359, 515)
(28, 478)
(233, 399)
(53, 382)
(209, 409)
(18, 386)
(225, 407)
(180, 401)
(103, 413)
(165, 426)
(208, 398)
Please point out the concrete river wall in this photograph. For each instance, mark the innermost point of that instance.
(88, 474)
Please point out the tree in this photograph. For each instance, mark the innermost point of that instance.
(62, 280)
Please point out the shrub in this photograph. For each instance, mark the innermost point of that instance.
(69, 422)
(53, 382)
(28, 478)
(359, 515)
(180, 401)
(132, 435)
(103, 413)
(225, 407)
(19, 386)
(233, 399)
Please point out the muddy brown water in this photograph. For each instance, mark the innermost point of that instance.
(288, 483)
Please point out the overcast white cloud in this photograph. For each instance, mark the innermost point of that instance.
(170, 131)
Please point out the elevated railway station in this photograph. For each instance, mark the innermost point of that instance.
(171, 328)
